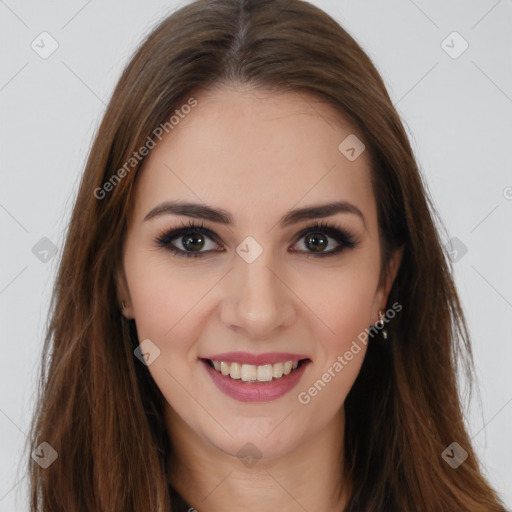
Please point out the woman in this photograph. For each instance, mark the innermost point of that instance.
(253, 309)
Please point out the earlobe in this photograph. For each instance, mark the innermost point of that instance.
(383, 292)
(123, 294)
(394, 265)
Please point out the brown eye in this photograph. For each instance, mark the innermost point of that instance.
(316, 242)
(192, 243)
(194, 240)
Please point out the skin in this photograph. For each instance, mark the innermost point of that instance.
(257, 155)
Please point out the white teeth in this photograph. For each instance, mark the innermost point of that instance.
(234, 371)
(278, 370)
(265, 373)
(250, 372)
(224, 368)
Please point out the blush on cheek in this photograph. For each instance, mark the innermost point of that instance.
(162, 307)
(346, 318)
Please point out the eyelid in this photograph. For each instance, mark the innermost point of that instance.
(165, 237)
(345, 238)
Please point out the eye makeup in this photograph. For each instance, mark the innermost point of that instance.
(346, 240)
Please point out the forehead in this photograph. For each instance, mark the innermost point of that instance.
(252, 151)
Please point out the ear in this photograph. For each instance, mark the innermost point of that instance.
(123, 293)
(381, 296)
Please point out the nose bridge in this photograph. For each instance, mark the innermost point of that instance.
(259, 301)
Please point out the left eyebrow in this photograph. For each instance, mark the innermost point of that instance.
(319, 211)
(221, 216)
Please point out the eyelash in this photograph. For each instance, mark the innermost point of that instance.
(344, 237)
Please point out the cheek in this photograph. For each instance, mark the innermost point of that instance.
(167, 305)
(341, 300)
(165, 298)
(339, 354)
(340, 297)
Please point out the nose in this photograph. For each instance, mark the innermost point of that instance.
(258, 300)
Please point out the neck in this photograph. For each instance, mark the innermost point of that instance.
(307, 478)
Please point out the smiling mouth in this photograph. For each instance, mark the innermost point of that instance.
(255, 373)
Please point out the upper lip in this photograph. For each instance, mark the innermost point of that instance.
(256, 359)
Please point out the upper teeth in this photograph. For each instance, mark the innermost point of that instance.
(250, 372)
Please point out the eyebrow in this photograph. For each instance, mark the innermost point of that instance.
(221, 216)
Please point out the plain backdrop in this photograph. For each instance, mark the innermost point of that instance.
(453, 92)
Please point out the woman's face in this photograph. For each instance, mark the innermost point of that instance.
(262, 281)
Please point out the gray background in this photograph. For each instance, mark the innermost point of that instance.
(457, 111)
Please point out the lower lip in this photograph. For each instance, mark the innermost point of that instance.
(258, 391)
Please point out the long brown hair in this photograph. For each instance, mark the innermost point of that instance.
(102, 412)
